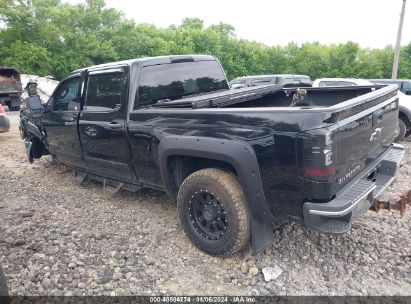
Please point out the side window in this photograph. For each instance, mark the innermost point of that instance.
(67, 95)
(407, 87)
(104, 91)
(259, 82)
(238, 85)
(291, 83)
(305, 82)
(336, 83)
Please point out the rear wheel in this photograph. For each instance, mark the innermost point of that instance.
(400, 131)
(213, 211)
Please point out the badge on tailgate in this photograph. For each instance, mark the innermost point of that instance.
(374, 135)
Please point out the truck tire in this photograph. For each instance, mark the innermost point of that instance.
(400, 131)
(213, 212)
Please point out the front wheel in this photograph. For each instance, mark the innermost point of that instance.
(400, 131)
(213, 211)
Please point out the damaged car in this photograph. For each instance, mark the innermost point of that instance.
(233, 160)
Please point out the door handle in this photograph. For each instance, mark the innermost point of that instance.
(115, 125)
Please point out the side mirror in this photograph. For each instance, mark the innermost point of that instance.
(46, 108)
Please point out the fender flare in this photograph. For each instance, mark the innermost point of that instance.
(242, 157)
(34, 130)
(406, 111)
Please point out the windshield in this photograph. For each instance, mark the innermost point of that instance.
(166, 82)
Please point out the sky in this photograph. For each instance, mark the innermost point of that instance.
(371, 23)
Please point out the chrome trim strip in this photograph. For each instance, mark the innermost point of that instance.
(391, 180)
(345, 211)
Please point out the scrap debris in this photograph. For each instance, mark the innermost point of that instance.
(390, 204)
(271, 273)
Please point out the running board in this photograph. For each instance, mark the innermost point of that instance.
(112, 190)
(111, 187)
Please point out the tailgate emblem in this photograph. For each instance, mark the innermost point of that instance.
(377, 132)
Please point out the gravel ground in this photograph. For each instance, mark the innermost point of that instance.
(61, 238)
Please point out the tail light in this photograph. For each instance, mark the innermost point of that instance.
(1, 109)
(318, 154)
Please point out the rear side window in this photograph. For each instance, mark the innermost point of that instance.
(104, 91)
(166, 82)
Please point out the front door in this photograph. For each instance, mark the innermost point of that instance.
(60, 123)
(102, 124)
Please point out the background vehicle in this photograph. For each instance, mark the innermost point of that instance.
(4, 120)
(10, 88)
(404, 114)
(403, 84)
(284, 80)
(404, 117)
(340, 82)
(234, 160)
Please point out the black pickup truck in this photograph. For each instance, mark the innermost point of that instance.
(234, 160)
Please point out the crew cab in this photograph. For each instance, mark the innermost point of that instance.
(233, 160)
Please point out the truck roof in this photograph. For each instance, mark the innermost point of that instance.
(145, 61)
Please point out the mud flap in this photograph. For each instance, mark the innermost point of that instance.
(262, 235)
(28, 144)
(34, 148)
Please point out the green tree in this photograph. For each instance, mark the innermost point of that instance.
(48, 37)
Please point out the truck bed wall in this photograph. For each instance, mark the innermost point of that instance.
(314, 98)
(271, 135)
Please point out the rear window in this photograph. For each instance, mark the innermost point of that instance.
(166, 82)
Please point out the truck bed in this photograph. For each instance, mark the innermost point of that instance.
(271, 96)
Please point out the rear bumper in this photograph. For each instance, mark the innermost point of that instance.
(355, 198)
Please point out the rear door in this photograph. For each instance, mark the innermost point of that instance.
(102, 124)
(60, 122)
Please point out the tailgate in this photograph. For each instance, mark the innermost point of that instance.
(366, 127)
